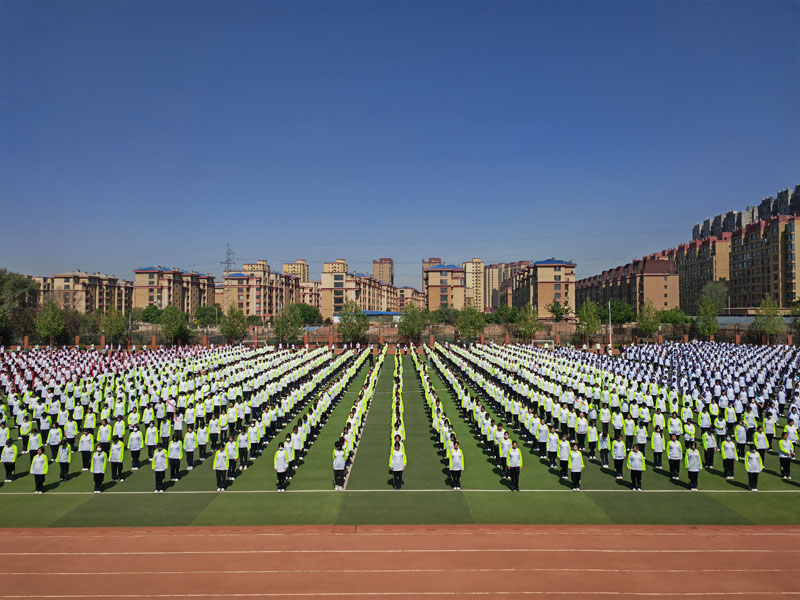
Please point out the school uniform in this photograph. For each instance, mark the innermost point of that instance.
(159, 467)
(397, 464)
(220, 464)
(754, 466)
(637, 465)
(281, 465)
(576, 468)
(98, 462)
(456, 466)
(514, 466)
(39, 465)
(339, 463)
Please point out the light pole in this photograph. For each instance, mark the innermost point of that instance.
(609, 326)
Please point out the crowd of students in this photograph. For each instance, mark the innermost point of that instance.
(566, 403)
(172, 404)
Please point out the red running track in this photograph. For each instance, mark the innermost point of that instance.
(405, 562)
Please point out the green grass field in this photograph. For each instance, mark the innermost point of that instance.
(369, 498)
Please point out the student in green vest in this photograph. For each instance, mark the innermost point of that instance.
(8, 456)
(39, 465)
(754, 465)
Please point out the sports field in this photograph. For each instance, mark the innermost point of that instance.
(368, 498)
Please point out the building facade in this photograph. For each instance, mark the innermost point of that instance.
(298, 268)
(383, 270)
(162, 287)
(652, 278)
(366, 291)
(409, 295)
(258, 291)
(699, 262)
(541, 283)
(474, 282)
(310, 293)
(443, 284)
(86, 292)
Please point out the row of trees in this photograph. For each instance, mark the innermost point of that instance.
(469, 323)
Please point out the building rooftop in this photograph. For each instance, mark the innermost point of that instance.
(554, 261)
(445, 268)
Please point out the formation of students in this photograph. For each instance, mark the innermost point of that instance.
(555, 400)
(695, 403)
(174, 404)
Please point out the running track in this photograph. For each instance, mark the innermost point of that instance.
(401, 562)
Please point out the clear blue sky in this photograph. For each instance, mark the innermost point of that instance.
(139, 133)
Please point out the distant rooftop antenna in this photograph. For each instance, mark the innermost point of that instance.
(228, 263)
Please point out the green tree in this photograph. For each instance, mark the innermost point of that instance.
(674, 316)
(174, 324)
(233, 325)
(353, 323)
(558, 311)
(445, 314)
(707, 323)
(470, 322)
(50, 322)
(151, 314)
(309, 315)
(768, 320)
(621, 312)
(528, 322)
(718, 292)
(794, 310)
(506, 315)
(289, 324)
(113, 325)
(205, 316)
(254, 320)
(413, 322)
(648, 320)
(588, 320)
(19, 297)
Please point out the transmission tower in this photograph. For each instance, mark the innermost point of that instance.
(227, 264)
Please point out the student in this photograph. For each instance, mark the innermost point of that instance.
(592, 437)
(150, 440)
(754, 466)
(64, 457)
(9, 459)
(39, 465)
(159, 466)
(576, 467)
(281, 465)
(618, 454)
(98, 465)
(135, 446)
(674, 454)
(636, 465)
(189, 445)
(220, 462)
(175, 454)
(710, 447)
(514, 465)
(563, 455)
(397, 464)
(339, 463)
(505, 446)
(729, 457)
(456, 465)
(785, 455)
(232, 450)
(693, 464)
(658, 446)
(604, 449)
(116, 454)
(243, 444)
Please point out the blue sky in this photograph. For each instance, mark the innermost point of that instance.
(140, 133)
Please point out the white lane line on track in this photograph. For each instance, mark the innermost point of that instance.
(671, 594)
(432, 550)
(384, 571)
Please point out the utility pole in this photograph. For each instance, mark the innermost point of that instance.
(609, 326)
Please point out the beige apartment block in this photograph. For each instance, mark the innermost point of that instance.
(338, 266)
(409, 295)
(366, 291)
(474, 280)
(699, 262)
(544, 282)
(298, 268)
(443, 284)
(86, 292)
(310, 293)
(653, 277)
(256, 290)
(162, 287)
(383, 270)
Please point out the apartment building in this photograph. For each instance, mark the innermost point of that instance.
(474, 282)
(543, 282)
(256, 290)
(651, 278)
(443, 284)
(162, 287)
(298, 268)
(310, 293)
(409, 295)
(697, 263)
(337, 266)
(337, 287)
(86, 292)
(383, 270)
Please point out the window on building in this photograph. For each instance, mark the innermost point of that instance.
(338, 284)
(557, 296)
(556, 268)
(557, 277)
(557, 286)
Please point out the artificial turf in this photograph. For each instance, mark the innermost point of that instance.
(369, 499)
